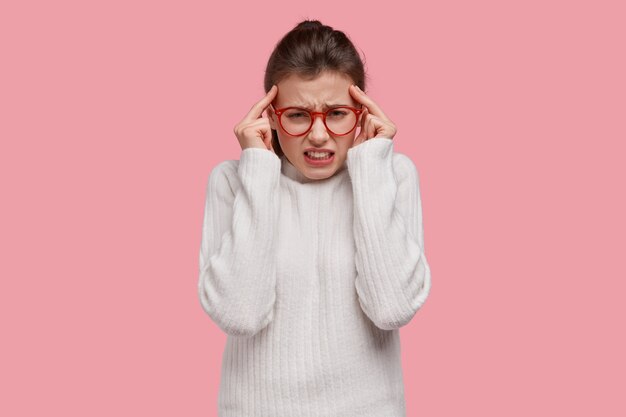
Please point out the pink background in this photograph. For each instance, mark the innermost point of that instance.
(112, 115)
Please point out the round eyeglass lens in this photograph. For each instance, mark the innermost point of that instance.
(340, 121)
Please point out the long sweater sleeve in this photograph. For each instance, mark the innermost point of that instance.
(393, 275)
(237, 279)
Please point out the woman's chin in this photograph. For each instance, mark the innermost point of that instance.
(319, 174)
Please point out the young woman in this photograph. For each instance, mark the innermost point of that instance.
(312, 252)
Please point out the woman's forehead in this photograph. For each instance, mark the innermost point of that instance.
(321, 92)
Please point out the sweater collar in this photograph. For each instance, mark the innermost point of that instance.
(290, 171)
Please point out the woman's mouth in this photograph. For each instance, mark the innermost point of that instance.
(319, 158)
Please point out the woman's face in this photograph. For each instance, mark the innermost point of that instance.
(328, 89)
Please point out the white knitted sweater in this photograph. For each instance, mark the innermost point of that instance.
(311, 280)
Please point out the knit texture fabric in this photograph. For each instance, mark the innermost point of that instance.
(311, 281)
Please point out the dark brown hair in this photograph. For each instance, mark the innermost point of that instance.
(309, 49)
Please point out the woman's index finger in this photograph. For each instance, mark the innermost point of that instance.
(364, 99)
(256, 111)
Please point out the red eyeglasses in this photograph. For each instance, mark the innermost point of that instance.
(296, 121)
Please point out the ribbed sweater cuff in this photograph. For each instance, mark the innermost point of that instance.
(371, 168)
(259, 169)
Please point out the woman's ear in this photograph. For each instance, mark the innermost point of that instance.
(272, 117)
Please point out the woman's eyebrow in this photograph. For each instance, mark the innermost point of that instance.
(324, 106)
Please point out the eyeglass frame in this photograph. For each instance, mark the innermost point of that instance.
(313, 114)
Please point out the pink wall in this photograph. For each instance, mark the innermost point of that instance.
(112, 115)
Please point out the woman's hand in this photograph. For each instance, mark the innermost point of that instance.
(374, 123)
(254, 131)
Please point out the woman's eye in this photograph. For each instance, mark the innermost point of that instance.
(295, 115)
(338, 113)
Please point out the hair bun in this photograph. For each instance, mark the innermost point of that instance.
(309, 24)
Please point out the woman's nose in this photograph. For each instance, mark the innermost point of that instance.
(318, 130)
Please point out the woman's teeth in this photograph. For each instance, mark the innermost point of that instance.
(318, 155)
